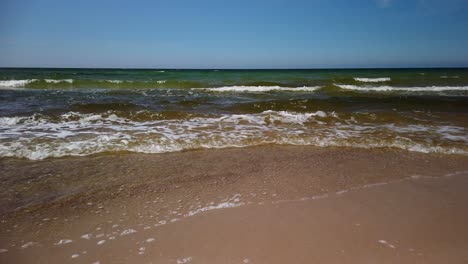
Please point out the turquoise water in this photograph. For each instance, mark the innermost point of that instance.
(46, 113)
(160, 78)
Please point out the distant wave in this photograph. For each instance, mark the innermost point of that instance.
(259, 89)
(373, 80)
(212, 87)
(130, 81)
(22, 83)
(407, 89)
(112, 81)
(449, 77)
(58, 81)
(47, 83)
(15, 83)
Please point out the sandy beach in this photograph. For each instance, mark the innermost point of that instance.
(234, 132)
(268, 204)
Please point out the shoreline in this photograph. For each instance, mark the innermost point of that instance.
(106, 196)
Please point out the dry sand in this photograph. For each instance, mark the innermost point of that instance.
(270, 204)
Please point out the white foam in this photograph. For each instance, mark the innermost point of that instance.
(128, 81)
(230, 203)
(58, 81)
(63, 241)
(259, 89)
(86, 236)
(293, 117)
(3, 250)
(384, 242)
(29, 244)
(214, 207)
(407, 89)
(22, 83)
(113, 81)
(373, 80)
(184, 260)
(16, 83)
(75, 134)
(127, 232)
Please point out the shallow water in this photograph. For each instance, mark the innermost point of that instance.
(61, 112)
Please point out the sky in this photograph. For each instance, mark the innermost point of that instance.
(234, 34)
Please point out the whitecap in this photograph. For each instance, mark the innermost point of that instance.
(373, 80)
(16, 83)
(259, 89)
(58, 81)
(407, 89)
(113, 81)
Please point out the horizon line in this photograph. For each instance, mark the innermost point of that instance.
(239, 69)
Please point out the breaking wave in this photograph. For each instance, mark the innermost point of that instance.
(373, 80)
(259, 89)
(83, 83)
(405, 89)
(78, 134)
(15, 83)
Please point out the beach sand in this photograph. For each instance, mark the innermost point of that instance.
(268, 204)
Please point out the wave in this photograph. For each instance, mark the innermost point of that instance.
(449, 77)
(406, 89)
(219, 86)
(58, 81)
(130, 81)
(112, 81)
(78, 134)
(23, 83)
(15, 83)
(259, 89)
(373, 80)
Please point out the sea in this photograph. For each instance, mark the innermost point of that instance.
(53, 113)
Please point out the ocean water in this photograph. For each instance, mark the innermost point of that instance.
(46, 113)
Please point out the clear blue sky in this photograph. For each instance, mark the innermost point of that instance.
(233, 34)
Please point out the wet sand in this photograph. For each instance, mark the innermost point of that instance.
(270, 204)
